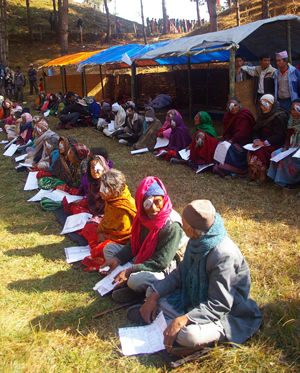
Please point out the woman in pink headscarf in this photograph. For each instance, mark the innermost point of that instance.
(166, 129)
(156, 237)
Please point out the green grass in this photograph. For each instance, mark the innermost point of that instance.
(47, 305)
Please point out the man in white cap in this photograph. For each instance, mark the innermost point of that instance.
(206, 299)
(119, 119)
(287, 81)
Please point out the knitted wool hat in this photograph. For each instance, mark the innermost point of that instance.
(281, 55)
(200, 214)
(106, 106)
(115, 107)
(269, 98)
(149, 112)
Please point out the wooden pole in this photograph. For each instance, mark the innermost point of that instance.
(143, 23)
(44, 80)
(62, 82)
(238, 18)
(288, 40)
(175, 82)
(101, 78)
(232, 72)
(65, 74)
(133, 81)
(84, 82)
(190, 87)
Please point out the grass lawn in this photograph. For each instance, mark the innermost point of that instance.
(47, 305)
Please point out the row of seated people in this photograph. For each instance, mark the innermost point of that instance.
(175, 261)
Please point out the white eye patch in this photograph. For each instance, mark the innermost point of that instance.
(149, 119)
(103, 189)
(297, 108)
(61, 146)
(148, 202)
(173, 123)
(265, 104)
(38, 130)
(48, 146)
(231, 106)
(98, 168)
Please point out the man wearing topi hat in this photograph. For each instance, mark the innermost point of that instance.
(206, 299)
(287, 81)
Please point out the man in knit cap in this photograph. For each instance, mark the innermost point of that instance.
(287, 81)
(206, 299)
(133, 129)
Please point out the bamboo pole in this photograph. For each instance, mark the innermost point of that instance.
(84, 82)
(190, 87)
(44, 80)
(133, 81)
(175, 82)
(288, 40)
(62, 81)
(101, 78)
(232, 72)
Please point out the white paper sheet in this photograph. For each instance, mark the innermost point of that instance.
(11, 150)
(105, 285)
(161, 143)
(76, 253)
(143, 339)
(4, 142)
(185, 154)
(21, 157)
(250, 147)
(31, 182)
(297, 154)
(41, 194)
(1, 130)
(25, 165)
(9, 144)
(221, 151)
(144, 150)
(111, 126)
(283, 155)
(161, 153)
(203, 167)
(71, 198)
(75, 222)
(57, 195)
(46, 113)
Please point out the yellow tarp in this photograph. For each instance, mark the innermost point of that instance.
(70, 59)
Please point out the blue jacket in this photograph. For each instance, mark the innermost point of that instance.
(95, 110)
(294, 82)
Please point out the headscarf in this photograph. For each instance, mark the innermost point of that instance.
(80, 151)
(145, 251)
(295, 125)
(194, 277)
(180, 136)
(230, 120)
(206, 124)
(263, 119)
(167, 123)
(28, 117)
(207, 151)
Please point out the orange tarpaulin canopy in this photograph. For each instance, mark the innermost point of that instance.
(70, 59)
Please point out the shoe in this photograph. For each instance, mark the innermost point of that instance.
(122, 141)
(133, 315)
(125, 295)
(174, 161)
(60, 126)
(69, 126)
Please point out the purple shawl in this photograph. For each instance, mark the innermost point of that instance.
(180, 136)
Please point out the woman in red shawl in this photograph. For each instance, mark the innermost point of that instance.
(156, 236)
(238, 123)
(202, 150)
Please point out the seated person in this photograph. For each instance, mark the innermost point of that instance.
(269, 132)
(238, 124)
(119, 119)
(52, 150)
(204, 123)
(206, 299)
(106, 115)
(39, 158)
(180, 138)
(202, 151)
(77, 155)
(24, 130)
(12, 124)
(156, 237)
(148, 139)
(116, 224)
(52, 104)
(71, 113)
(7, 107)
(133, 129)
(40, 100)
(166, 129)
(94, 109)
(286, 173)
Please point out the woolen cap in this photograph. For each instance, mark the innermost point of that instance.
(269, 98)
(149, 112)
(106, 106)
(200, 214)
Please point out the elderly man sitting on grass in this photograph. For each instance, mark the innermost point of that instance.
(206, 299)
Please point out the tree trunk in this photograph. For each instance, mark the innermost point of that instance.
(238, 18)
(55, 14)
(229, 3)
(143, 22)
(58, 28)
(212, 10)
(64, 28)
(3, 34)
(164, 9)
(108, 34)
(29, 20)
(265, 9)
(198, 12)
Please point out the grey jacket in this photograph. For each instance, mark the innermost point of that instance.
(19, 78)
(228, 293)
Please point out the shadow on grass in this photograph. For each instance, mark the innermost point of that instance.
(73, 280)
